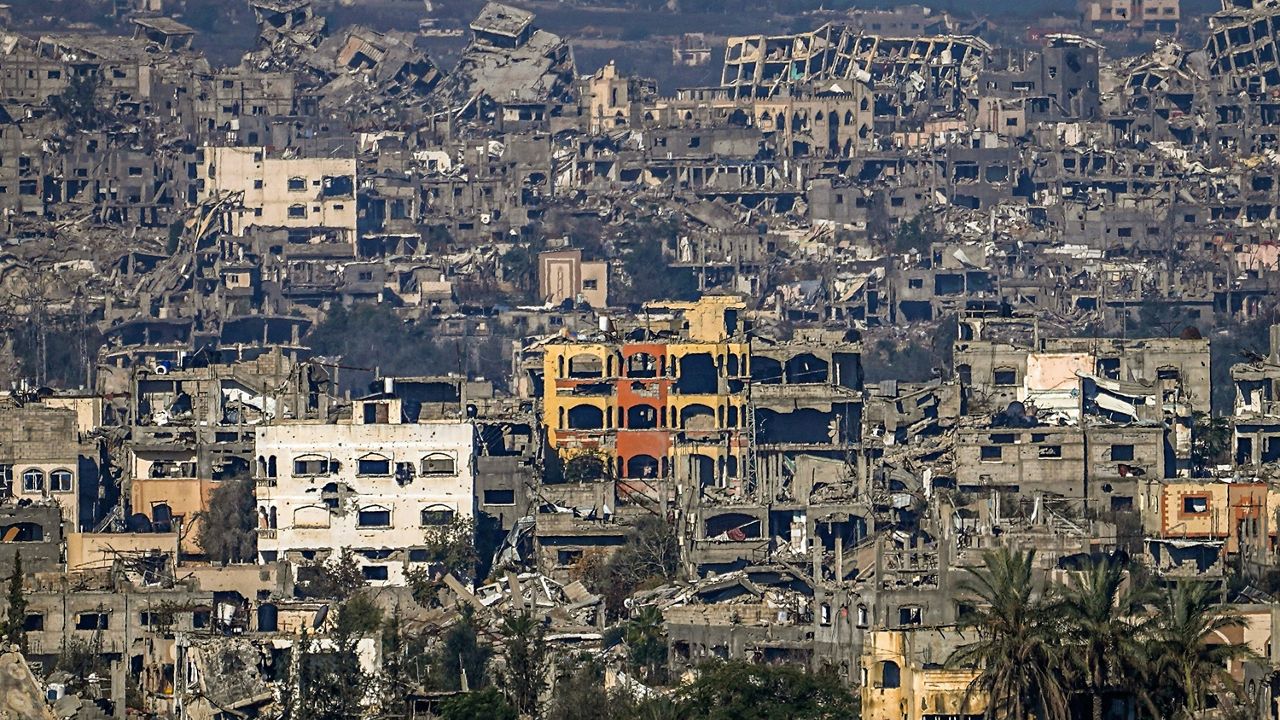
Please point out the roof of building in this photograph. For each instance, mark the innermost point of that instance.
(500, 19)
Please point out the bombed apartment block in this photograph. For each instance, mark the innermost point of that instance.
(1242, 47)
(1104, 465)
(938, 69)
(728, 419)
(372, 483)
(1256, 430)
(314, 198)
(512, 76)
(1172, 373)
(1059, 82)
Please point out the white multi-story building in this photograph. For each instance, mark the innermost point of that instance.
(372, 484)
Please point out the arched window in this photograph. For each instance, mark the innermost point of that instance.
(586, 417)
(297, 211)
(439, 464)
(311, 516)
(642, 466)
(642, 417)
(433, 515)
(61, 481)
(33, 481)
(642, 365)
(374, 516)
(373, 464)
(584, 365)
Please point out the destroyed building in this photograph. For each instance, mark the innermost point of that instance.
(600, 306)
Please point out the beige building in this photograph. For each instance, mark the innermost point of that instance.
(316, 197)
(564, 275)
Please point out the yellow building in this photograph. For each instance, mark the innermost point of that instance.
(904, 677)
(626, 400)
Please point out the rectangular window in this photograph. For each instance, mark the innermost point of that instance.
(376, 413)
(1006, 378)
(316, 466)
(374, 518)
(992, 453)
(1195, 504)
(297, 211)
(499, 497)
(33, 622)
(257, 184)
(590, 284)
(92, 621)
(1051, 452)
(149, 618)
(1002, 438)
(1122, 452)
(374, 572)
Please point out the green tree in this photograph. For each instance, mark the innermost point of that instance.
(460, 654)
(650, 557)
(580, 694)
(14, 627)
(644, 261)
(1104, 627)
(647, 645)
(228, 528)
(335, 579)
(451, 548)
(1210, 440)
(1185, 664)
(487, 704)
(916, 234)
(524, 675)
(335, 686)
(1018, 652)
(77, 104)
(736, 690)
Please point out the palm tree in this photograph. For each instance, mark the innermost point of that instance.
(1104, 628)
(1188, 651)
(1018, 649)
